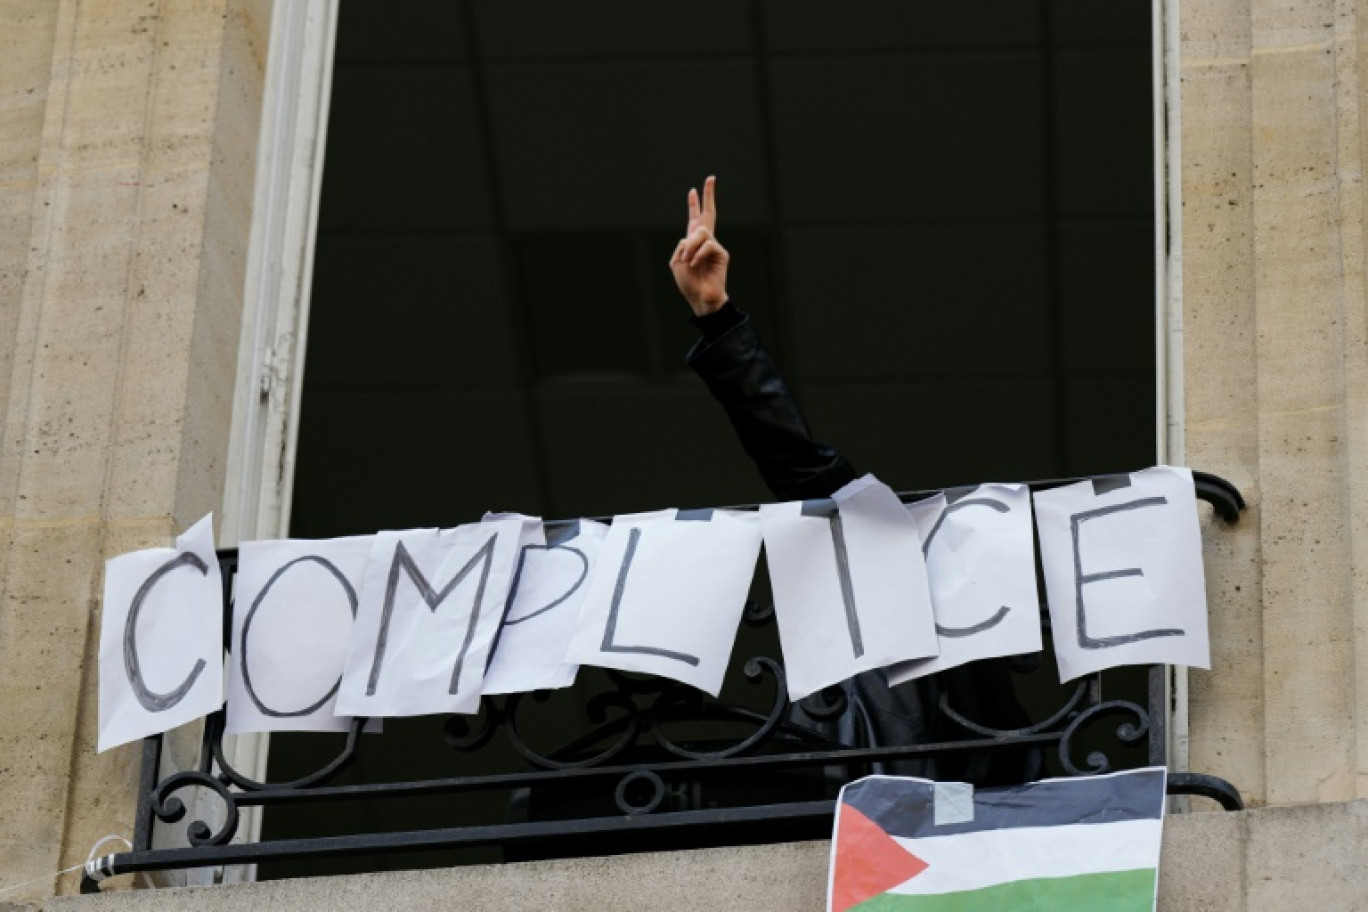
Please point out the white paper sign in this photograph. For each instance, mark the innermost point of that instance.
(850, 586)
(430, 605)
(667, 594)
(292, 621)
(1123, 570)
(980, 557)
(161, 638)
(550, 581)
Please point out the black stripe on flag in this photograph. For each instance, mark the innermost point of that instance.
(906, 807)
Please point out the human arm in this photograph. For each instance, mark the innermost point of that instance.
(744, 379)
(732, 360)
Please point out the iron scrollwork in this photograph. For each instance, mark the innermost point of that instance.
(170, 807)
(1127, 732)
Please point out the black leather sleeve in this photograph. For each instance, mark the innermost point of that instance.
(745, 380)
(743, 377)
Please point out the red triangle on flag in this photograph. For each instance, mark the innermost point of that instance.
(868, 861)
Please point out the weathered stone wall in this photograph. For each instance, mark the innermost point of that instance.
(1274, 336)
(127, 150)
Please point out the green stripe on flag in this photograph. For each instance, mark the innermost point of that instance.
(1119, 891)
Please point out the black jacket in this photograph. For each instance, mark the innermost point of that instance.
(743, 377)
(733, 362)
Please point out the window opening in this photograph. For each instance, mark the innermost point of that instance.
(941, 219)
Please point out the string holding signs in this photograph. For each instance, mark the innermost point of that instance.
(980, 558)
(296, 602)
(430, 605)
(1123, 571)
(161, 643)
(667, 594)
(550, 581)
(850, 585)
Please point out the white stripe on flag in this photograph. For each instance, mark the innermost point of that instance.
(971, 861)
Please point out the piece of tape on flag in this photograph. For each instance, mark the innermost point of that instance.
(954, 803)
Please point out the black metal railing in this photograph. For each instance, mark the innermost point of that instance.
(657, 764)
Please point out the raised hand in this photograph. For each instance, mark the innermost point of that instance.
(700, 263)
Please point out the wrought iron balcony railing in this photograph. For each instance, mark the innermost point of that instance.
(659, 765)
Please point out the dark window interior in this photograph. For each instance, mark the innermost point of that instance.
(941, 218)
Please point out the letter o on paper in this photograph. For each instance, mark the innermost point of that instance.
(328, 571)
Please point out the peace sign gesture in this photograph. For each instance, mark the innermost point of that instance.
(699, 263)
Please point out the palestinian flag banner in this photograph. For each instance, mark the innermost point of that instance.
(913, 845)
